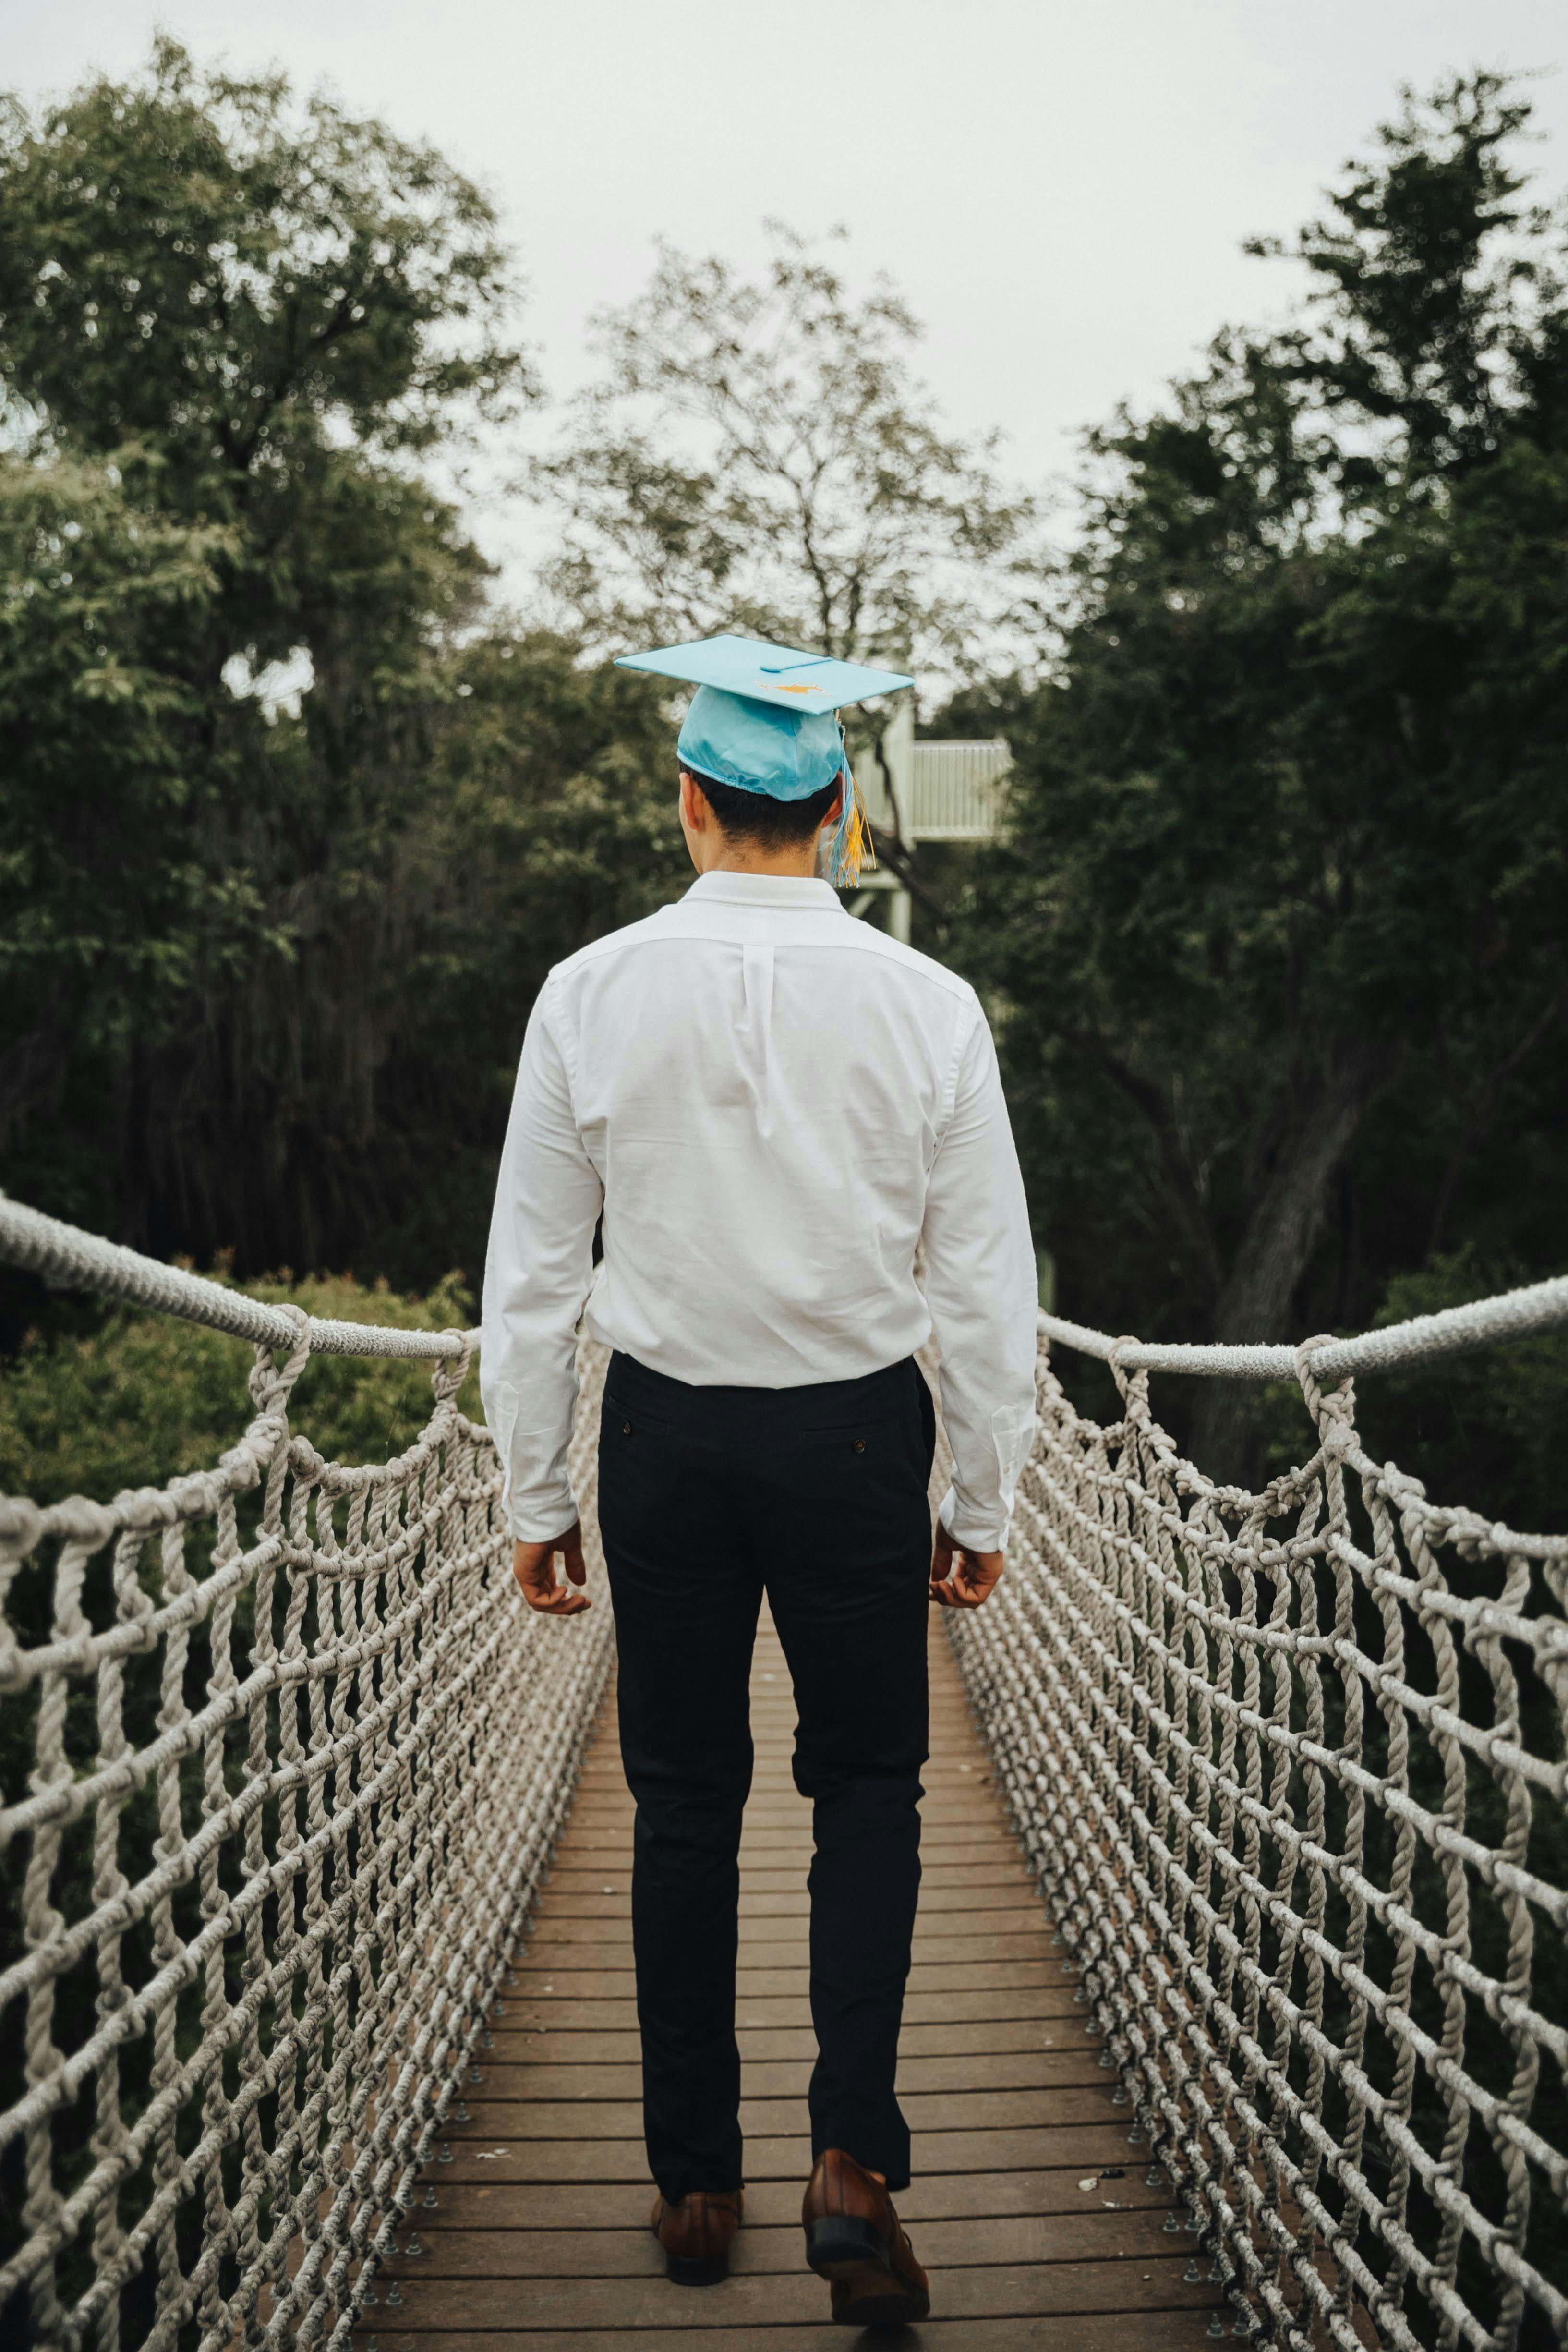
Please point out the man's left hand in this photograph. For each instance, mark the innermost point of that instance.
(533, 1565)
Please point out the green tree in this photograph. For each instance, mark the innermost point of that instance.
(110, 908)
(1288, 844)
(759, 455)
(241, 288)
(256, 996)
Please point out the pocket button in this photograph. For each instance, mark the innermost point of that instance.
(859, 1445)
(625, 1429)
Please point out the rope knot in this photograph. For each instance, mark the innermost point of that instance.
(21, 1526)
(270, 1382)
(1334, 1412)
(1133, 1382)
(451, 1371)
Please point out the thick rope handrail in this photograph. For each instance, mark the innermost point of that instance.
(68, 1256)
(1480, 1323)
(76, 1260)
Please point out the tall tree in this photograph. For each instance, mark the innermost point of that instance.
(236, 285)
(108, 910)
(235, 328)
(759, 453)
(1290, 839)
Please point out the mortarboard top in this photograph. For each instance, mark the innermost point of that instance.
(781, 674)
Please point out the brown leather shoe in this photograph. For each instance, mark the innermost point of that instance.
(697, 2234)
(854, 2240)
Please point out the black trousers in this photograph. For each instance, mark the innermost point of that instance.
(708, 1498)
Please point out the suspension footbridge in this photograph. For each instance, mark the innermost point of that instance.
(1239, 2003)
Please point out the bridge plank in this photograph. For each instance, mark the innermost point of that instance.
(1168, 2331)
(498, 2252)
(539, 1978)
(1021, 1992)
(991, 2290)
(982, 2037)
(779, 1919)
(606, 1940)
(568, 2076)
(468, 2204)
(1036, 2217)
(496, 2116)
(781, 1876)
(608, 1899)
(789, 1850)
(505, 2154)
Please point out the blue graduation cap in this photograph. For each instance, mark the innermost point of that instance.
(764, 720)
(782, 675)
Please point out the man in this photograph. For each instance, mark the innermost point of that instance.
(774, 1108)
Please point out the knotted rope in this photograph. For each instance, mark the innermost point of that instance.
(1291, 1770)
(301, 1756)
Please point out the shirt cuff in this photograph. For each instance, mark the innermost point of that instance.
(539, 1519)
(973, 1534)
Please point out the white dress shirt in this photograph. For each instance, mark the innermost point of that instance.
(774, 1105)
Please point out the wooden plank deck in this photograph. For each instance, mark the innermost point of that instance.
(1029, 2207)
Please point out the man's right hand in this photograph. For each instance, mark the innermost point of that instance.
(962, 1577)
(533, 1565)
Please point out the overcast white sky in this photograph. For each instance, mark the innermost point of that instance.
(1059, 187)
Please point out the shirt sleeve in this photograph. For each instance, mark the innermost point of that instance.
(538, 1273)
(983, 1292)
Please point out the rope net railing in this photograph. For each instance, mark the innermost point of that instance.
(1291, 1768)
(280, 1784)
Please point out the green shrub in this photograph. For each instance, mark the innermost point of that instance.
(140, 1397)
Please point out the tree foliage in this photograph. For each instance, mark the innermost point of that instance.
(266, 967)
(759, 455)
(108, 904)
(297, 278)
(1276, 943)
(1288, 846)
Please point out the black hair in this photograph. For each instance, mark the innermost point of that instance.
(757, 817)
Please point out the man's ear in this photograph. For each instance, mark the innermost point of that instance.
(699, 808)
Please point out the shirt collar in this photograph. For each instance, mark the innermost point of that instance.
(803, 892)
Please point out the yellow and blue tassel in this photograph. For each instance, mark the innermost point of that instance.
(850, 845)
